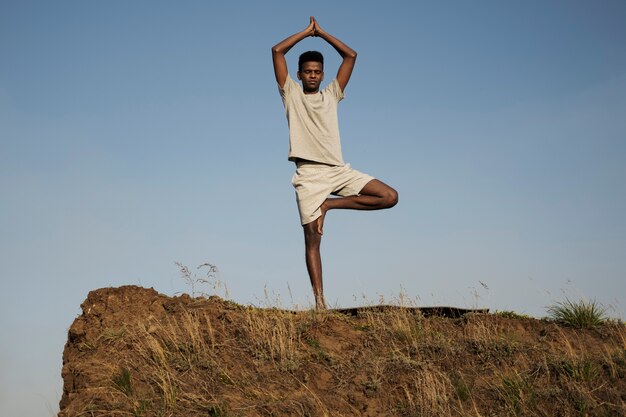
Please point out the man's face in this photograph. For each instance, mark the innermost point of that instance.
(311, 75)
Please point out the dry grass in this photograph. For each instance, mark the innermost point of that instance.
(208, 357)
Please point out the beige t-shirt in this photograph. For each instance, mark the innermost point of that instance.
(313, 122)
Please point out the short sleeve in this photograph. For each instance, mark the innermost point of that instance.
(287, 88)
(334, 90)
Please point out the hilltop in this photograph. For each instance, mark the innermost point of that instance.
(135, 352)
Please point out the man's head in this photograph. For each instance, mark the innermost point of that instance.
(310, 56)
(311, 71)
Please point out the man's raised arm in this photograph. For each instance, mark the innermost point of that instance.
(280, 49)
(348, 54)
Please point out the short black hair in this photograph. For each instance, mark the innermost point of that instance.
(310, 56)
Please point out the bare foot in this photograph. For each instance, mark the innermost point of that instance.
(320, 304)
(320, 219)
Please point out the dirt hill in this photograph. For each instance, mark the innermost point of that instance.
(135, 352)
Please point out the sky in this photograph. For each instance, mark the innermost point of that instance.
(134, 135)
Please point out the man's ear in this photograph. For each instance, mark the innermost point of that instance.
(298, 73)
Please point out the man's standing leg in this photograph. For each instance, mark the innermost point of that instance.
(376, 195)
(312, 240)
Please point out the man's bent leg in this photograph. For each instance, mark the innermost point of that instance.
(312, 240)
(376, 195)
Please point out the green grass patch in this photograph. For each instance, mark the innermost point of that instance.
(579, 314)
(512, 315)
(123, 382)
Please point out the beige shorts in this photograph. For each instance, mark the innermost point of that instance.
(314, 182)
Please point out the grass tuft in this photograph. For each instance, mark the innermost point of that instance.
(582, 314)
(512, 315)
(123, 382)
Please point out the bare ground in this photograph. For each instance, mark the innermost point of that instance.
(135, 352)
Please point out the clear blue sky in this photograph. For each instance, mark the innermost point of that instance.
(137, 134)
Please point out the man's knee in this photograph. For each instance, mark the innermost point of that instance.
(311, 237)
(391, 197)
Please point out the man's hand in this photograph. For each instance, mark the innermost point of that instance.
(317, 30)
(310, 30)
(280, 49)
(347, 53)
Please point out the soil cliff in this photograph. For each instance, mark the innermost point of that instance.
(135, 352)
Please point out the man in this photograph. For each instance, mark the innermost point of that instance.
(315, 147)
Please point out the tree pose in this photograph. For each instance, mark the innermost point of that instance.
(315, 146)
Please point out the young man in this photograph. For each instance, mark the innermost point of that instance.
(314, 145)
